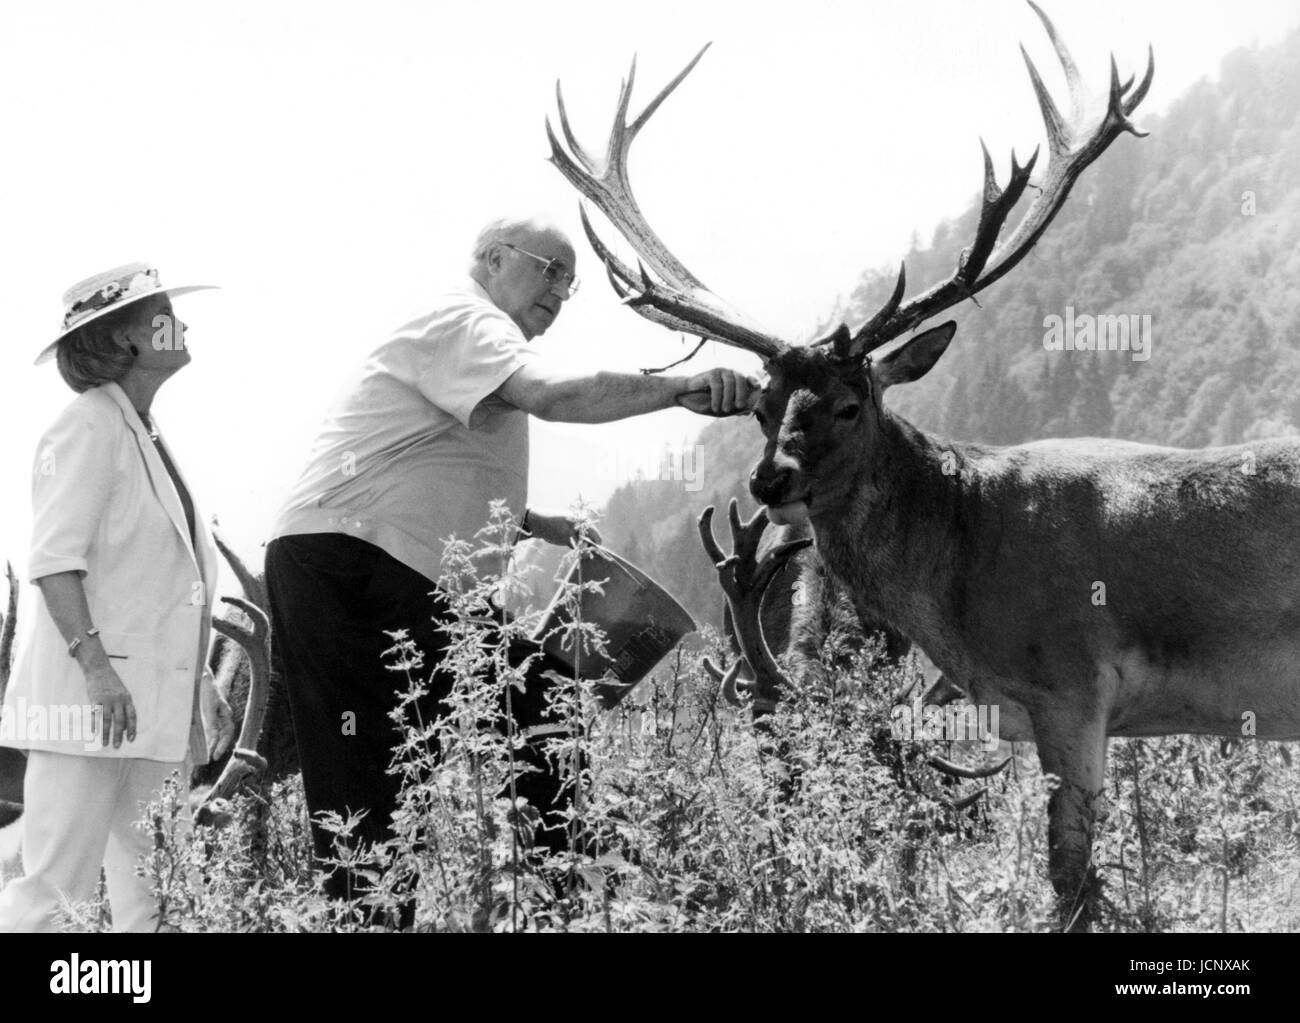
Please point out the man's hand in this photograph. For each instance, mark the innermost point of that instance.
(720, 392)
(218, 719)
(106, 692)
(561, 530)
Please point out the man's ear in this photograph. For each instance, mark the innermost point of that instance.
(915, 359)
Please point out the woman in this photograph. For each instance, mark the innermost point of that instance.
(110, 693)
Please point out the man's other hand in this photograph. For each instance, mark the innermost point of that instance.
(561, 530)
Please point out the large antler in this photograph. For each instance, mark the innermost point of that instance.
(1072, 147)
(677, 298)
(744, 580)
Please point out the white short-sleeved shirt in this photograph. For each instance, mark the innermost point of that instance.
(416, 444)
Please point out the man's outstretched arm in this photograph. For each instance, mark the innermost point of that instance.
(604, 397)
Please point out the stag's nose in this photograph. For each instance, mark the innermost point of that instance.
(769, 482)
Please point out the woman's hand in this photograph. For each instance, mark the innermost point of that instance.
(218, 718)
(561, 530)
(114, 703)
(65, 597)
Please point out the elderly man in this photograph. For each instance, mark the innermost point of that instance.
(426, 432)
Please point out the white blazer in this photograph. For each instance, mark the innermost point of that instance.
(104, 505)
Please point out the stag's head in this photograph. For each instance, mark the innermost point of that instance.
(821, 412)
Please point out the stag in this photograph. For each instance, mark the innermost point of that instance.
(1088, 588)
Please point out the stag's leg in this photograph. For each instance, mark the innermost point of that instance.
(1072, 747)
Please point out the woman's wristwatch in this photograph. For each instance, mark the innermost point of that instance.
(72, 647)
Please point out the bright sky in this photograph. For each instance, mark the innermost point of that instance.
(328, 164)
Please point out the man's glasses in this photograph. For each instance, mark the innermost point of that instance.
(553, 271)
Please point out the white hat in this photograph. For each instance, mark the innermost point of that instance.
(111, 290)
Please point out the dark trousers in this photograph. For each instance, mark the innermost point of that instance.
(332, 597)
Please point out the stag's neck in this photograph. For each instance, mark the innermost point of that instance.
(900, 538)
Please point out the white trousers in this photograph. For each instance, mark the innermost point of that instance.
(80, 813)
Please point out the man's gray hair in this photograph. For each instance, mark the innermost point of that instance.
(502, 230)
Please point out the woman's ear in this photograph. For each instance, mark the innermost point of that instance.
(122, 338)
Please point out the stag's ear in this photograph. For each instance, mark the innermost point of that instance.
(914, 359)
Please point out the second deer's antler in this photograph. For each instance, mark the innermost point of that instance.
(744, 580)
(244, 759)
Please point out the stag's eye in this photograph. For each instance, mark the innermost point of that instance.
(848, 413)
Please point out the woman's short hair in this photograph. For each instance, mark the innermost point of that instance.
(89, 356)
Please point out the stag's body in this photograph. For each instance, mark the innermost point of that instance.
(993, 560)
(993, 564)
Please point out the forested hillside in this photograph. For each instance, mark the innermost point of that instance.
(1196, 227)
